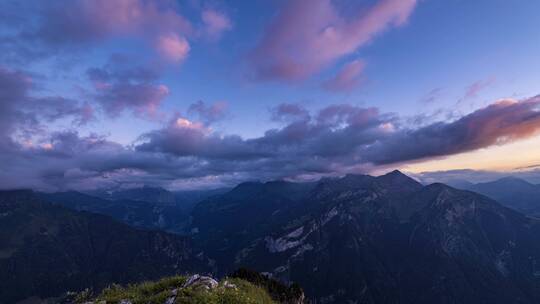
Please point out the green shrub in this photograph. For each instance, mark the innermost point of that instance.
(278, 291)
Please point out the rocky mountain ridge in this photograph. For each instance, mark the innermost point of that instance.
(384, 239)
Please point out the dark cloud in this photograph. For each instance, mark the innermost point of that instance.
(13, 89)
(54, 108)
(499, 123)
(22, 113)
(209, 114)
(345, 127)
(121, 87)
(182, 137)
(337, 139)
(286, 112)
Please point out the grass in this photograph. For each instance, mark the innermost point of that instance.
(158, 292)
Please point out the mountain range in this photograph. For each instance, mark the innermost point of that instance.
(387, 239)
(145, 207)
(47, 249)
(354, 239)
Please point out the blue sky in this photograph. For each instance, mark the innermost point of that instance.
(440, 60)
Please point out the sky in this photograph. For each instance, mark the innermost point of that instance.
(204, 94)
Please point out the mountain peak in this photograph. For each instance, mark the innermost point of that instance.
(395, 172)
(396, 178)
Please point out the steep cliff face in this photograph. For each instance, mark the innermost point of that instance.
(388, 239)
(47, 249)
(228, 223)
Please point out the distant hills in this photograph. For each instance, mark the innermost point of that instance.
(512, 192)
(146, 194)
(355, 239)
(145, 207)
(46, 250)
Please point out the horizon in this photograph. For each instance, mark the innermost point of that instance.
(424, 181)
(203, 95)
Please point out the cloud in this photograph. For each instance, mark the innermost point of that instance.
(307, 36)
(336, 131)
(142, 99)
(432, 95)
(215, 23)
(53, 108)
(42, 29)
(173, 47)
(472, 90)
(347, 78)
(287, 112)
(121, 87)
(209, 114)
(83, 21)
(334, 140)
(22, 113)
(341, 137)
(14, 87)
(182, 137)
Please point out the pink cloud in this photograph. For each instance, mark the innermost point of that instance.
(307, 36)
(347, 78)
(215, 23)
(80, 22)
(173, 47)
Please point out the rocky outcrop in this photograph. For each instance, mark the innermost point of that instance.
(197, 282)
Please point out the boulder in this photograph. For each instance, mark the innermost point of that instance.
(198, 281)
